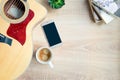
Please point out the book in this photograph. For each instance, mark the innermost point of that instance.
(105, 16)
(95, 15)
(110, 6)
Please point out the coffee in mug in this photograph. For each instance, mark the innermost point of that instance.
(44, 56)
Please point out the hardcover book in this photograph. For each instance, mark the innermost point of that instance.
(95, 15)
(105, 16)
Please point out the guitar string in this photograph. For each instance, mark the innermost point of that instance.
(14, 1)
(20, 6)
(17, 3)
(8, 7)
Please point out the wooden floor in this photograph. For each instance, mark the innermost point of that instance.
(89, 51)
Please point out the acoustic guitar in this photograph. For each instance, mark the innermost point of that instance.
(17, 19)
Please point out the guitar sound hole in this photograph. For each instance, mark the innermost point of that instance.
(14, 9)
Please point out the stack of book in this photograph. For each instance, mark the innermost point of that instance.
(105, 10)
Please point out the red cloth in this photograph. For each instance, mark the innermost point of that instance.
(18, 31)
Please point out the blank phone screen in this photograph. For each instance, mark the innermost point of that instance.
(52, 34)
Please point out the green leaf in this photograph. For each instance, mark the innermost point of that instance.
(56, 3)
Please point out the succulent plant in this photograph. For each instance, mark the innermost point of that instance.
(56, 3)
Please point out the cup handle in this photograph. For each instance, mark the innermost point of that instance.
(51, 65)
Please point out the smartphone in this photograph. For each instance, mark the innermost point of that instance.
(51, 33)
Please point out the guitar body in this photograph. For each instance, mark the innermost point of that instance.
(15, 58)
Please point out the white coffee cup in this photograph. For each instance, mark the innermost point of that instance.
(42, 61)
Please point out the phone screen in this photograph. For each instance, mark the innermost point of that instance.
(52, 34)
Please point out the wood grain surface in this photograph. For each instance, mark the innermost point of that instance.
(89, 51)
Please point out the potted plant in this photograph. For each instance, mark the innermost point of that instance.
(56, 4)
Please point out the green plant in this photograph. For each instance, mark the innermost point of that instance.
(56, 3)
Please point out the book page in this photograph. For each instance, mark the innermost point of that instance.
(111, 6)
